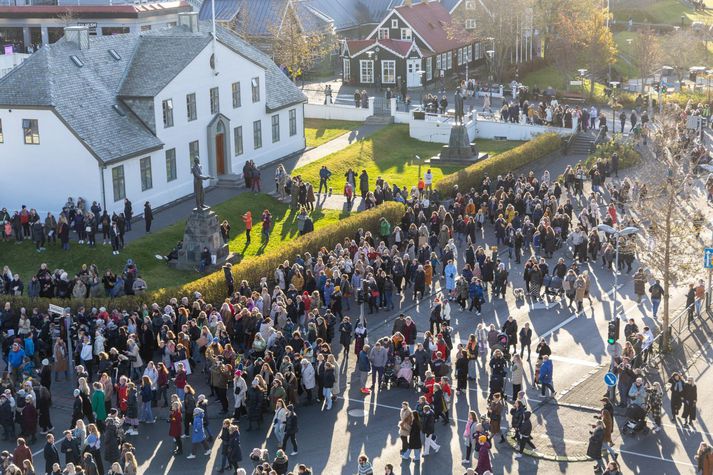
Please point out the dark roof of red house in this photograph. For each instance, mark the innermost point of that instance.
(96, 11)
(430, 21)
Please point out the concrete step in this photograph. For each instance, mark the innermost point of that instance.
(230, 181)
(379, 120)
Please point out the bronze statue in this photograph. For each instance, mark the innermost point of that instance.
(459, 107)
(198, 178)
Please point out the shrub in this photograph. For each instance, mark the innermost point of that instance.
(213, 288)
(628, 156)
(513, 159)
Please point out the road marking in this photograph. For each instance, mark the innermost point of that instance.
(549, 332)
(575, 361)
(655, 457)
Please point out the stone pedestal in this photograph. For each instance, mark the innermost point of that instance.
(202, 230)
(459, 151)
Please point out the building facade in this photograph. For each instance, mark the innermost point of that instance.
(125, 116)
(414, 44)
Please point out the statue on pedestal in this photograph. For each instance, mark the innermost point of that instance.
(198, 178)
(458, 100)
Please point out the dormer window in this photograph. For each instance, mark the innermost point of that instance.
(394, 23)
(406, 33)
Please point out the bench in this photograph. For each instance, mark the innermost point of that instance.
(572, 97)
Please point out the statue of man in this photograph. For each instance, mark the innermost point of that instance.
(459, 107)
(198, 178)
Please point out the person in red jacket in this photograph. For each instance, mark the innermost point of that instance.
(22, 453)
(248, 220)
(175, 429)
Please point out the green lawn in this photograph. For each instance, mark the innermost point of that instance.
(546, 77)
(23, 258)
(318, 131)
(663, 12)
(627, 69)
(390, 154)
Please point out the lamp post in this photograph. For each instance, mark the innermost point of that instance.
(418, 159)
(618, 234)
(614, 85)
(582, 73)
(491, 60)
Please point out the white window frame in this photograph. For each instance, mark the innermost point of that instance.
(191, 107)
(438, 62)
(238, 139)
(406, 34)
(347, 65)
(470, 5)
(293, 122)
(257, 134)
(450, 61)
(383, 34)
(366, 65)
(429, 68)
(31, 131)
(167, 109)
(237, 98)
(395, 23)
(214, 94)
(118, 182)
(392, 65)
(470, 24)
(146, 173)
(460, 56)
(171, 170)
(275, 127)
(255, 89)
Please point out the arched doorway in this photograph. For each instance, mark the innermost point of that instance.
(220, 148)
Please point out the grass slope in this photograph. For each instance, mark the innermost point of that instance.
(23, 258)
(390, 154)
(318, 131)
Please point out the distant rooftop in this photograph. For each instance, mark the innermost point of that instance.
(93, 8)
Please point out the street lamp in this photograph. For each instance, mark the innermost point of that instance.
(618, 234)
(582, 73)
(418, 159)
(491, 56)
(614, 85)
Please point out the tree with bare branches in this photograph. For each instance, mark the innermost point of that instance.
(646, 48)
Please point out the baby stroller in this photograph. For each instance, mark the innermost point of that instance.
(389, 373)
(553, 285)
(404, 375)
(635, 420)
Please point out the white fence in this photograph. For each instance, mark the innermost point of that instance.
(487, 129)
(338, 111)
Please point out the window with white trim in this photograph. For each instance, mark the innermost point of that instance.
(470, 23)
(171, 173)
(293, 122)
(257, 134)
(395, 23)
(450, 60)
(429, 68)
(118, 183)
(460, 56)
(214, 100)
(470, 5)
(366, 71)
(255, 86)
(388, 72)
(347, 69)
(438, 62)
(191, 109)
(275, 128)
(146, 177)
(31, 131)
(167, 107)
(238, 139)
(383, 33)
(237, 100)
(406, 34)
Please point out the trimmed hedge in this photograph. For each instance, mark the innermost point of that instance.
(472, 176)
(212, 287)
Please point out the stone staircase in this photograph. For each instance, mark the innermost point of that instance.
(583, 144)
(382, 113)
(230, 181)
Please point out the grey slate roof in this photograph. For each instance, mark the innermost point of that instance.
(225, 10)
(280, 91)
(83, 96)
(157, 60)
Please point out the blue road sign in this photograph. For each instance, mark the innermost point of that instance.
(708, 258)
(610, 379)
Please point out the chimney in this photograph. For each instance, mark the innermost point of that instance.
(407, 3)
(79, 35)
(189, 20)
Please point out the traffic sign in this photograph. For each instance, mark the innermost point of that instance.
(610, 379)
(56, 309)
(708, 258)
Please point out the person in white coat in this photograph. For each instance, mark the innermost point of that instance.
(240, 388)
(278, 424)
(308, 380)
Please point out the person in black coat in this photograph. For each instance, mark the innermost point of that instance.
(6, 418)
(594, 449)
(70, 448)
(290, 429)
(414, 438)
(253, 404)
(128, 213)
(462, 372)
(524, 432)
(50, 453)
(345, 335)
(690, 396)
(229, 279)
(148, 216)
(77, 408)
(235, 454)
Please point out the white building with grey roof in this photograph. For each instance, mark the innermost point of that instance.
(123, 116)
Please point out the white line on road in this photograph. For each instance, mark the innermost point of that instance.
(549, 332)
(656, 457)
(575, 361)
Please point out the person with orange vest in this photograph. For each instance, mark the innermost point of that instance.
(248, 220)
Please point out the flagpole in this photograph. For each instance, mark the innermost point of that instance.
(212, 8)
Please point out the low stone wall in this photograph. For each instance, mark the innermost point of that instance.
(338, 111)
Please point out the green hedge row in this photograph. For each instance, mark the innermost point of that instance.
(212, 286)
(501, 164)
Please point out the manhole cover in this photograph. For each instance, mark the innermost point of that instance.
(357, 413)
